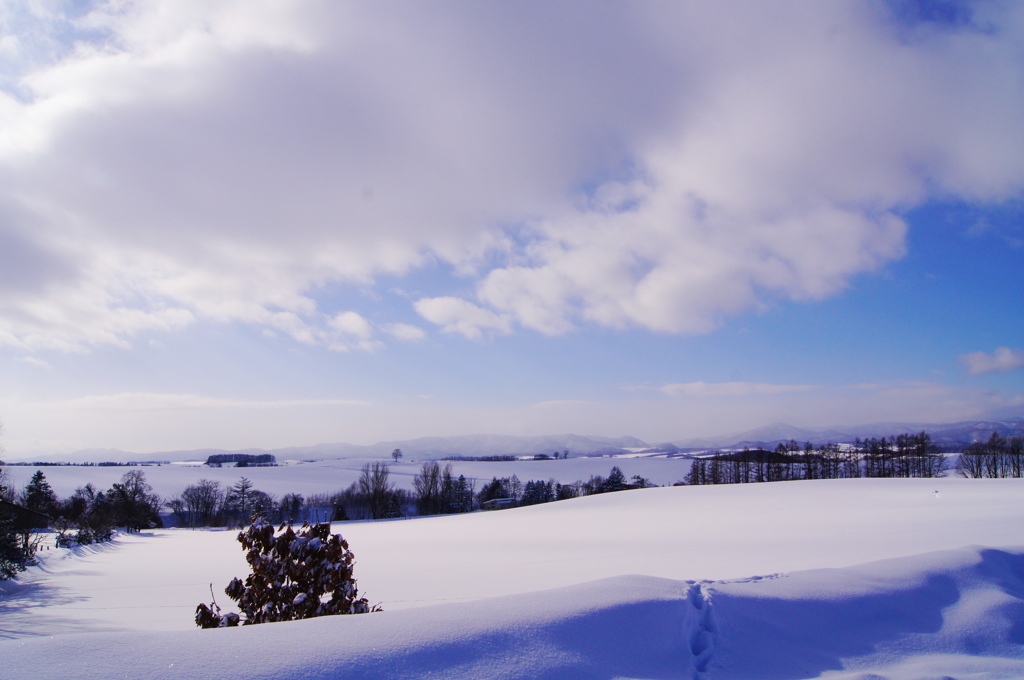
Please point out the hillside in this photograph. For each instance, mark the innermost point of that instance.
(903, 578)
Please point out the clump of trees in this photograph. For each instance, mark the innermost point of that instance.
(555, 456)
(538, 491)
(295, 575)
(439, 492)
(205, 503)
(372, 496)
(500, 458)
(91, 515)
(378, 491)
(241, 460)
(905, 455)
(501, 487)
(88, 516)
(997, 457)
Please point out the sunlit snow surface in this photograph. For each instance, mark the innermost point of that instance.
(837, 579)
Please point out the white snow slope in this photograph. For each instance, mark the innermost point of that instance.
(833, 579)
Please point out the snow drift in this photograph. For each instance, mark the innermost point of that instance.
(938, 614)
(846, 580)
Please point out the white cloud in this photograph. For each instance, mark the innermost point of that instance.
(730, 389)
(155, 401)
(405, 331)
(352, 323)
(352, 330)
(650, 166)
(34, 361)
(913, 391)
(1003, 360)
(455, 315)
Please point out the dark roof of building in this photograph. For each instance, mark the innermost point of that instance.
(24, 515)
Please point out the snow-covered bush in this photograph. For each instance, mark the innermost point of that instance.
(294, 576)
(83, 536)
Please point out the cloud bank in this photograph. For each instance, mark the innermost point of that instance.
(1003, 360)
(625, 165)
(153, 421)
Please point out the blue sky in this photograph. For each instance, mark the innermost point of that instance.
(234, 224)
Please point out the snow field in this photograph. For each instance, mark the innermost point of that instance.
(721, 532)
(832, 579)
(328, 476)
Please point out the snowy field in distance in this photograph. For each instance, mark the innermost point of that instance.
(328, 476)
(833, 579)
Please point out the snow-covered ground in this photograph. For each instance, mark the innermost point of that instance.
(835, 579)
(328, 476)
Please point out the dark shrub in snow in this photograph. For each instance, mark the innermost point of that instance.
(294, 576)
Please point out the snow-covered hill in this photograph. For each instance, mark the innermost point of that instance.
(836, 579)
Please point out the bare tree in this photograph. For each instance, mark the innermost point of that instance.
(429, 487)
(374, 483)
(291, 507)
(177, 507)
(997, 457)
(203, 499)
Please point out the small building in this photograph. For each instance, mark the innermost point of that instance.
(499, 504)
(24, 518)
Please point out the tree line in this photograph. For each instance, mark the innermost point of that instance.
(437, 490)
(997, 457)
(905, 455)
(87, 516)
(538, 491)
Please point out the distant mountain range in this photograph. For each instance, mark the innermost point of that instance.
(947, 435)
(951, 436)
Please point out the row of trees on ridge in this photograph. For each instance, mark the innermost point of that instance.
(905, 455)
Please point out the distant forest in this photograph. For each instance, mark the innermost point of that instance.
(905, 455)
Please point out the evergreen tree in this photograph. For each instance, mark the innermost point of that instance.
(463, 495)
(38, 494)
(13, 557)
(530, 495)
(616, 481)
(239, 498)
(496, 488)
